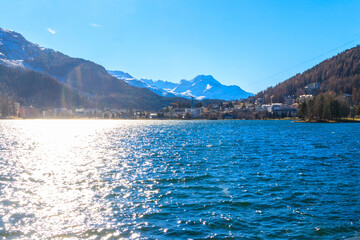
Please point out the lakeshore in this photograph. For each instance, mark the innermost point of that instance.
(296, 120)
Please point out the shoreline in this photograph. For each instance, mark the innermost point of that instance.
(165, 119)
(295, 120)
(330, 121)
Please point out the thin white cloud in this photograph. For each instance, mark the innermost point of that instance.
(95, 25)
(52, 31)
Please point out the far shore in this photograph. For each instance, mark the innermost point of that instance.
(295, 120)
(355, 120)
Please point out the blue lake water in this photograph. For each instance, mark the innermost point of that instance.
(103, 179)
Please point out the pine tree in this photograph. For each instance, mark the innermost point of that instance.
(319, 106)
(334, 109)
(358, 109)
(302, 110)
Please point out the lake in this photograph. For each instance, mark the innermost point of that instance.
(112, 179)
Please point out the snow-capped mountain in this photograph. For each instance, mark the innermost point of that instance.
(15, 49)
(151, 85)
(121, 75)
(159, 87)
(165, 85)
(200, 87)
(206, 87)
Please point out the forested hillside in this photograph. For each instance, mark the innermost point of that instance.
(339, 74)
(29, 87)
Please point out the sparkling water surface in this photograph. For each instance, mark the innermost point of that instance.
(104, 179)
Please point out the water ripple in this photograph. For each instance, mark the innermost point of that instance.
(178, 180)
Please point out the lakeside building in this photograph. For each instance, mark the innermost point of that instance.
(303, 98)
(263, 107)
(58, 113)
(289, 100)
(285, 111)
(312, 88)
(80, 112)
(153, 116)
(195, 112)
(238, 106)
(258, 101)
(177, 112)
(29, 112)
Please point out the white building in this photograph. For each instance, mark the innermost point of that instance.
(195, 112)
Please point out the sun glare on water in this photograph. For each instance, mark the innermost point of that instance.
(57, 175)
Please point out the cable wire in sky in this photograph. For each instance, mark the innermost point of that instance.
(302, 63)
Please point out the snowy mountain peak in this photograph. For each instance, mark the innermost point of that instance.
(208, 79)
(15, 49)
(121, 75)
(200, 87)
(9, 32)
(205, 82)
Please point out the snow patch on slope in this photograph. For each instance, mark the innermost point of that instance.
(121, 75)
(13, 63)
(15, 49)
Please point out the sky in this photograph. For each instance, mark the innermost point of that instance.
(250, 43)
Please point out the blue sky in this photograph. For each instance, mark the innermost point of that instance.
(253, 44)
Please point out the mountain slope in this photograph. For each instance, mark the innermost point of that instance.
(151, 85)
(34, 88)
(78, 73)
(160, 84)
(339, 74)
(120, 74)
(85, 76)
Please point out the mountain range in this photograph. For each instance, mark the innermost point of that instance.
(86, 79)
(200, 87)
(31, 68)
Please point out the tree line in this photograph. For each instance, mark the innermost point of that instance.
(328, 106)
(7, 107)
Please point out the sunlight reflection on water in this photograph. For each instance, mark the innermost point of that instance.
(57, 187)
(105, 179)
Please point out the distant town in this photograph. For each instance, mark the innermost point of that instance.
(250, 108)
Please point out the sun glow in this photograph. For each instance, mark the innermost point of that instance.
(74, 178)
(65, 161)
